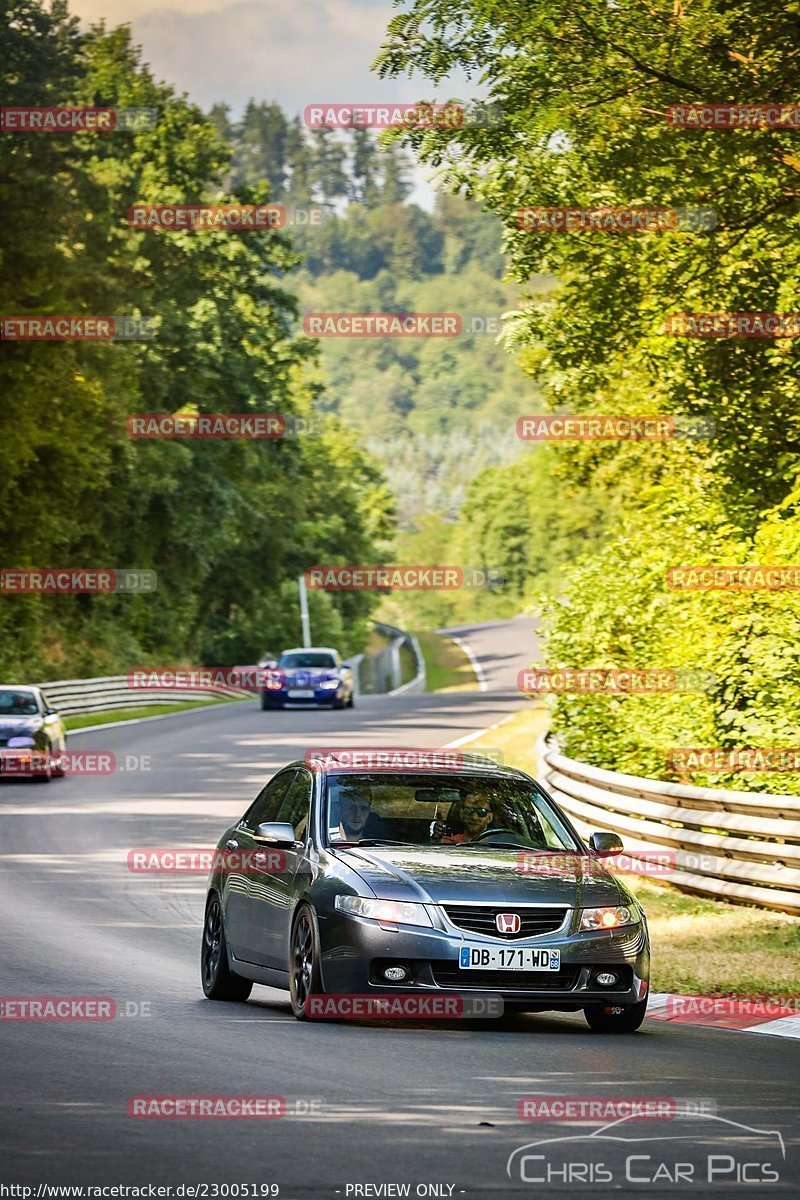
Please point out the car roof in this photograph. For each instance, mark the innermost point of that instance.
(311, 650)
(19, 687)
(478, 764)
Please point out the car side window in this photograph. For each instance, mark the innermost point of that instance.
(296, 805)
(267, 803)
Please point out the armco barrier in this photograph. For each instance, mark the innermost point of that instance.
(109, 692)
(737, 846)
(382, 672)
(373, 672)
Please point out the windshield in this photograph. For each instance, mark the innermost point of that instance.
(311, 660)
(15, 703)
(426, 810)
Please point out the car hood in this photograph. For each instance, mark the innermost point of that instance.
(439, 874)
(19, 726)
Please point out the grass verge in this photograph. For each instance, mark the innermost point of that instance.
(447, 667)
(699, 946)
(83, 720)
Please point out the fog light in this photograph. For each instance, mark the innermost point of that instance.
(395, 974)
(606, 978)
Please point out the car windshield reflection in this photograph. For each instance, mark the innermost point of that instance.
(425, 810)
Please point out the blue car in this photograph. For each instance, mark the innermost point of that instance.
(312, 675)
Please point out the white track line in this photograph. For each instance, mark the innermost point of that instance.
(480, 674)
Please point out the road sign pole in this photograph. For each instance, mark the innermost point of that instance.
(304, 611)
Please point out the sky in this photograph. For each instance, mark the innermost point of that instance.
(297, 54)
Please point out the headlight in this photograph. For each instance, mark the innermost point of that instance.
(274, 684)
(610, 918)
(329, 683)
(390, 912)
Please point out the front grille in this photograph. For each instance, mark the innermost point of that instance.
(480, 918)
(448, 974)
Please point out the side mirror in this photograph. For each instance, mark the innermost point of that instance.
(345, 667)
(605, 843)
(276, 833)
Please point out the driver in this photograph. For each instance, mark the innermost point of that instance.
(476, 817)
(356, 804)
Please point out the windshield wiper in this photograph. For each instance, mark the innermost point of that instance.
(370, 842)
(493, 845)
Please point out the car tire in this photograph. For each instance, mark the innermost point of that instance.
(59, 770)
(351, 703)
(264, 705)
(47, 775)
(623, 1018)
(305, 978)
(219, 981)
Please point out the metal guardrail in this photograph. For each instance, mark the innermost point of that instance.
(109, 692)
(379, 672)
(382, 671)
(737, 846)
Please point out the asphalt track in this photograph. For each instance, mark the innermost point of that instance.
(369, 1104)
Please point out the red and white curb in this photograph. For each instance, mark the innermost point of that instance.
(723, 1012)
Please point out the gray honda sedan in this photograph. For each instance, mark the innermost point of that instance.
(445, 880)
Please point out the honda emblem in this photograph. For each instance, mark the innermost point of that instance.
(508, 922)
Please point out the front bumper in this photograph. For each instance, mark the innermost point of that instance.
(22, 763)
(355, 950)
(275, 699)
(272, 697)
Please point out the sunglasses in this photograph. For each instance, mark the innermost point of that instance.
(478, 812)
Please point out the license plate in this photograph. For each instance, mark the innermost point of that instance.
(508, 958)
(301, 693)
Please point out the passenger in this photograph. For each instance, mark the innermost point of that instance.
(356, 805)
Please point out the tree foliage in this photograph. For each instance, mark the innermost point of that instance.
(226, 525)
(582, 91)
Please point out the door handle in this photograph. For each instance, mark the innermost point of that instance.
(232, 844)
